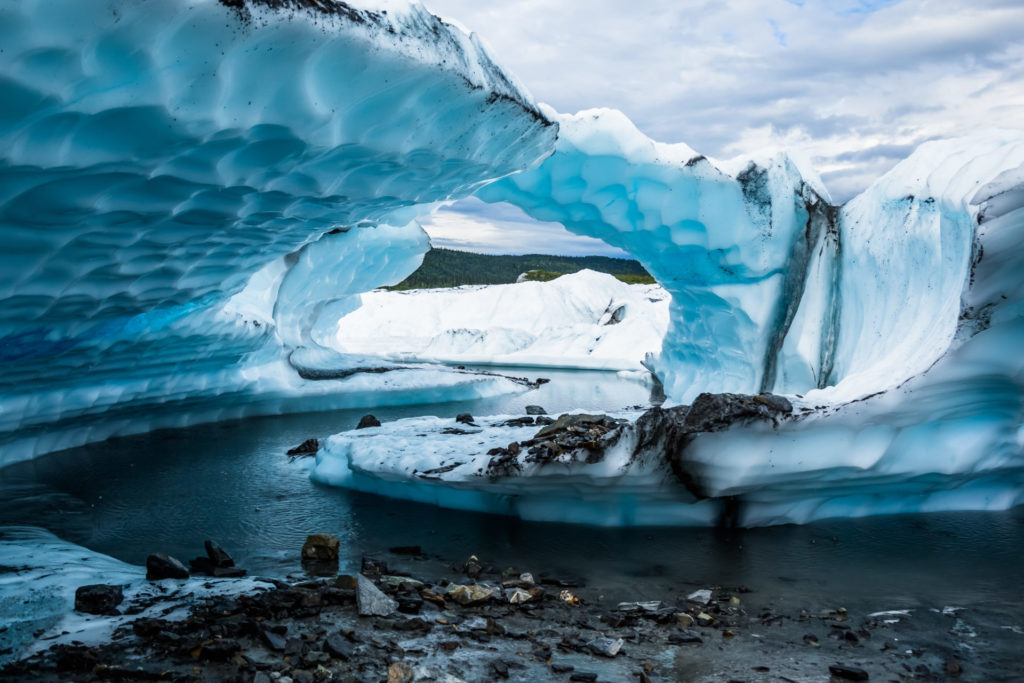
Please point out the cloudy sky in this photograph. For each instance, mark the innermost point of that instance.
(854, 84)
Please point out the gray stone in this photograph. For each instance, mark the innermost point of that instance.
(606, 647)
(371, 602)
(469, 595)
(535, 410)
(702, 597)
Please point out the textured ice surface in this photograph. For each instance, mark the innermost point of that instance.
(912, 306)
(729, 249)
(154, 156)
(582, 320)
(38, 583)
(416, 459)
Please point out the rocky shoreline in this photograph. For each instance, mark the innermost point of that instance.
(408, 616)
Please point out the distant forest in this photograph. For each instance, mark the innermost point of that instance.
(450, 268)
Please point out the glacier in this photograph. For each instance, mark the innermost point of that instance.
(581, 320)
(155, 157)
(197, 198)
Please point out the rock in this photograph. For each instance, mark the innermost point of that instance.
(322, 547)
(684, 637)
(368, 421)
(683, 619)
(465, 418)
(544, 420)
(160, 566)
(527, 578)
(275, 641)
(500, 669)
(811, 640)
(345, 582)
(307, 447)
(705, 619)
(228, 572)
(585, 676)
(570, 420)
(410, 604)
(469, 595)
(201, 565)
(217, 555)
(567, 596)
(848, 673)
(648, 607)
(371, 602)
(399, 672)
(395, 582)
(98, 599)
(606, 647)
(953, 668)
(517, 596)
(373, 569)
(701, 597)
(338, 647)
(535, 410)
(219, 650)
(473, 567)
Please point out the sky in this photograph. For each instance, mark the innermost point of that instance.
(855, 85)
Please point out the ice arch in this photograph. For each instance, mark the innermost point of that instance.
(774, 288)
(154, 156)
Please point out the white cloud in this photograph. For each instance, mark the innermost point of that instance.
(472, 225)
(846, 82)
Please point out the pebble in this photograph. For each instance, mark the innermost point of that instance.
(702, 597)
(606, 647)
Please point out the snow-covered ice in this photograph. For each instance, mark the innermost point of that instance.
(581, 320)
(38, 583)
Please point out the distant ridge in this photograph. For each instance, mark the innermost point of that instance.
(451, 268)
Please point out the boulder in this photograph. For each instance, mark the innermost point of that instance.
(371, 602)
(368, 421)
(323, 547)
(98, 599)
(161, 566)
(307, 447)
(535, 410)
(217, 555)
(464, 418)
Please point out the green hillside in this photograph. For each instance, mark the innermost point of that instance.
(450, 268)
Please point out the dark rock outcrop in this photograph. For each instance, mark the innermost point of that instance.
(161, 566)
(307, 447)
(98, 599)
(368, 421)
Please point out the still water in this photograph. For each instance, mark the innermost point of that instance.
(170, 490)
